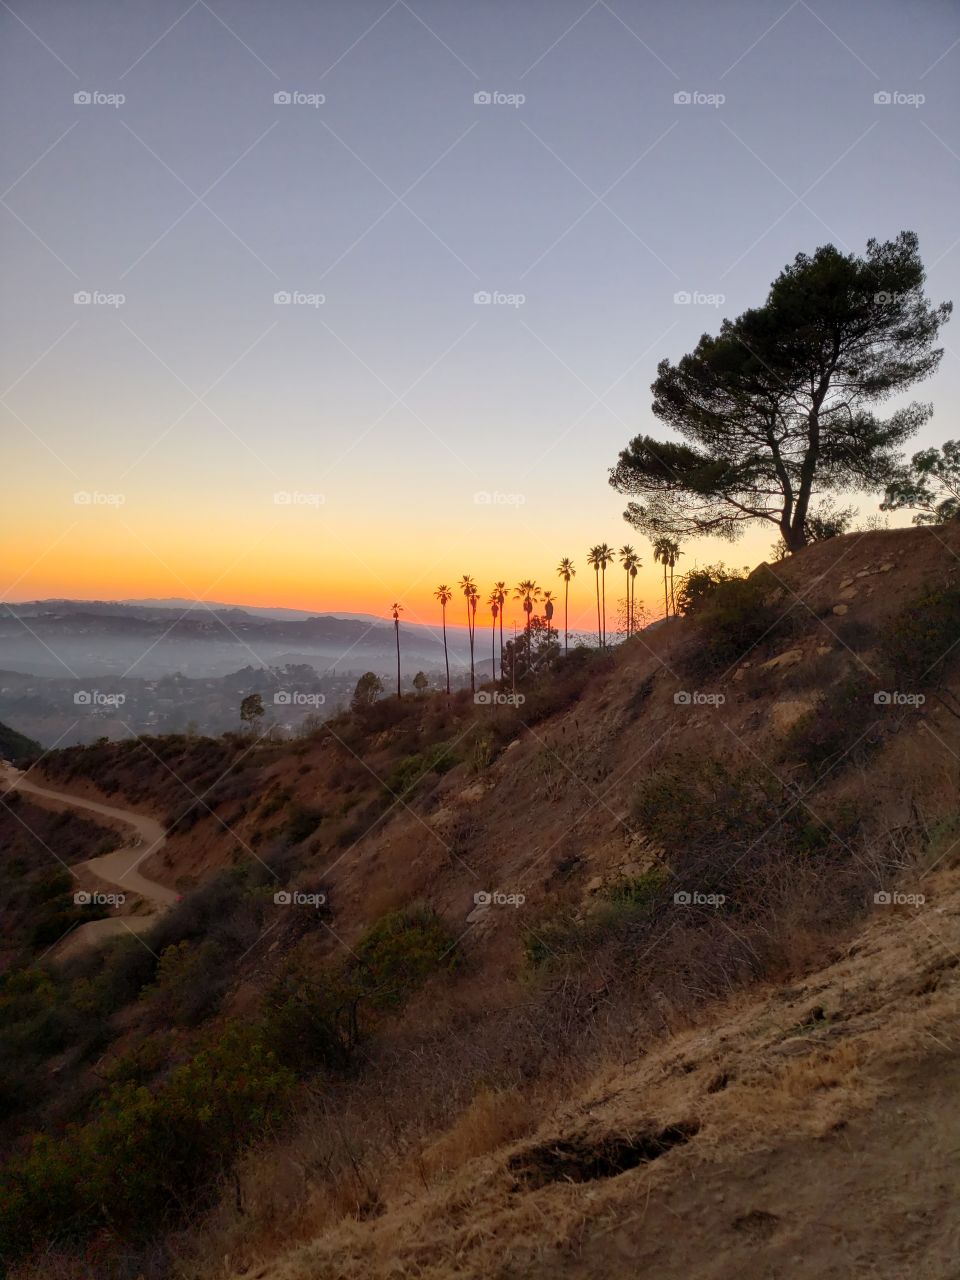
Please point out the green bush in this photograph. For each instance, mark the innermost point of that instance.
(921, 640)
(842, 729)
(145, 1155)
(411, 769)
(399, 952)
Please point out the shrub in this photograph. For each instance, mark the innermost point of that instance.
(843, 728)
(921, 640)
(729, 618)
(399, 952)
(302, 823)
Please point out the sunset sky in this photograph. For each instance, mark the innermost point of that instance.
(328, 453)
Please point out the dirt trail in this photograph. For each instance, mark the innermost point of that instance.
(118, 868)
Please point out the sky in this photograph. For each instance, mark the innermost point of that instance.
(377, 290)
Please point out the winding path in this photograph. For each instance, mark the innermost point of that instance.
(118, 868)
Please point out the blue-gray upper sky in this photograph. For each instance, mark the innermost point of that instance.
(584, 196)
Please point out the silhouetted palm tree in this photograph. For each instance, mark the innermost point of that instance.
(527, 591)
(633, 590)
(493, 600)
(566, 571)
(661, 553)
(675, 554)
(501, 589)
(600, 556)
(445, 595)
(397, 610)
(628, 558)
(548, 609)
(593, 560)
(469, 589)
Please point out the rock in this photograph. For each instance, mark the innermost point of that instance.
(789, 658)
(784, 715)
(849, 594)
(824, 648)
(847, 582)
(478, 912)
(840, 609)
(865, 573)
(885, 568)
(471, 795)
(441, 818)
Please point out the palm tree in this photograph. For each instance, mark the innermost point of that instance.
(469, 589)
(501, 589)
(566, 571)
(633, 590)
(397, 610)
(629, 560)
(661, 553)
(675, 554)
(493, 601)
(600, 556)
(445, 595)
(548, 609)
(593, 560)
(527, 591)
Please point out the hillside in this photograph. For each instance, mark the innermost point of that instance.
(16, 746)
(520, 990)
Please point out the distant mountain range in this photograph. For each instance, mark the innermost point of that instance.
(152, 638)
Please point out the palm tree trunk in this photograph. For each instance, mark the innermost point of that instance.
(604, 571)
(566, 616)
(673, 598)
(473, 683)
(446, 658)
(396, 627)
(599, 632)
(628, 604)
(493, 651)
(666, 605)
(501, 644)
